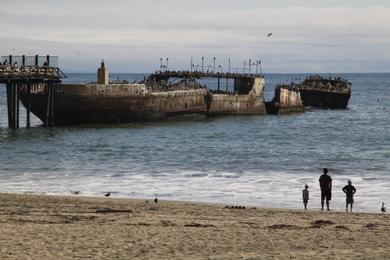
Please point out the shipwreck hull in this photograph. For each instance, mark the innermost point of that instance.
(81, 105)
(324, 99)
(124, 103)
(88, 110)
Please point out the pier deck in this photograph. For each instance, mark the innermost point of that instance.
(30, 74)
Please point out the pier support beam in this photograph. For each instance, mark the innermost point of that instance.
(9, 104)
(17, 112)
(49, 122)
(52, 106)
(47, 92)
(28, 105)
(13, 105)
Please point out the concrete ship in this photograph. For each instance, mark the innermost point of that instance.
(328, 93)
(155, 98)
(164, 94)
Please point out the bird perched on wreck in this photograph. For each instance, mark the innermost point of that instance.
(107, 194)
(383, 209)
(269, 35)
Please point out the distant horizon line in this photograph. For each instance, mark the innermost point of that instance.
(111, 72)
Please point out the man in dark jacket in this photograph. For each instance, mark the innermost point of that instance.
(349, 190)
(326, 189)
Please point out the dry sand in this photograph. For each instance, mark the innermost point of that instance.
(52, 227)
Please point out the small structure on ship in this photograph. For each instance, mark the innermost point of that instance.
(322, 92)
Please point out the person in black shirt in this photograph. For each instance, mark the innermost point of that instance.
(349, 190)
(326, 189)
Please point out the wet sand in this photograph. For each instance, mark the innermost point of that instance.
(54, 227)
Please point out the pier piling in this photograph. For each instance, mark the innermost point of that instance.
(47, 92)
(28, 106)
(49, 122)
(17, 94)
(52, 106)
(9, 104)
(12, 106)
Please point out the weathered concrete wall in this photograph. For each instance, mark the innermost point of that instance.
(101, 89)
(94, 89)
(289, 98)
(249, 102)
(285, 101)
(258, 87)
(224, 104)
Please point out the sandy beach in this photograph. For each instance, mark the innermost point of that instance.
(54, 227)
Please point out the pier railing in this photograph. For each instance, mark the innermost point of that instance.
(23, 68)
(24, 60)
(158, 75)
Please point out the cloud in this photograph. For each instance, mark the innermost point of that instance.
(133, 35)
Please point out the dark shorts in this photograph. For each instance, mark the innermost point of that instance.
(305, 200)
(349, 200)
(326, 194)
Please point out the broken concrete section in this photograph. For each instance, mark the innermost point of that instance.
(287, 100)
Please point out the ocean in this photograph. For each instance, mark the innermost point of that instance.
(262, 161)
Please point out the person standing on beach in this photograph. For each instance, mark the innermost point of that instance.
(349, 191)
(326, 189)
(305, 196)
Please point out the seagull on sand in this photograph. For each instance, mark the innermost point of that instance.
(269, 35)
(107, 194)
(383, 209)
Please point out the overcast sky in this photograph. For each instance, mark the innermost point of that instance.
(132, 35)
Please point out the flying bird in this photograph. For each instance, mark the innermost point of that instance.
(107, 194)
(269, 35)
(383, 209)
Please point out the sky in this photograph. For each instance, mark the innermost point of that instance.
(132, 35)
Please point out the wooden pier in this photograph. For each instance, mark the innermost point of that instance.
(18, 72)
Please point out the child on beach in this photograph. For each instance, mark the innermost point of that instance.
(349, 191)
(305, 196)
